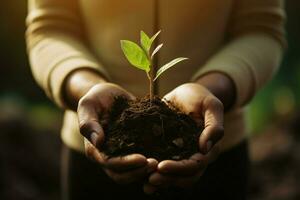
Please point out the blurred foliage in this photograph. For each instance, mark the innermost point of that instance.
(278, 99)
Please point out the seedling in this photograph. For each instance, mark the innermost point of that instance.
(141, 57)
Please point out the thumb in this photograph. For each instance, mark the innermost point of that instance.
(213, 124)
(89, 124)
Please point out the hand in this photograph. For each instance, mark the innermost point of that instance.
(181, 174)
(98, 101)
(124, 169)
(198, 102)
(201, 104)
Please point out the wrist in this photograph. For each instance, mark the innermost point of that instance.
(221, 86)
(78, 83)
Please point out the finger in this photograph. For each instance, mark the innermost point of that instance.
(93, 153)
(183, 167)
(213, 122)
(128, 176)
(130, 96)
(161, 180)
(187, 182)
(125, 163)
(117, 175)
(120, 164)
(89, 124)
(168, 97)
(149, 189)
(213, 154)
(152, 164)
(126, 167)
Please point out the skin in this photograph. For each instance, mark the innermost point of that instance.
(91, 95)
(206, 99)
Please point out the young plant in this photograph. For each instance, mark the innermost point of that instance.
(142, 57)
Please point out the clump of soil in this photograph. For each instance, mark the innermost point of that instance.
(155, 129)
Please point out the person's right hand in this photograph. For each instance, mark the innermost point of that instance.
(95, 104)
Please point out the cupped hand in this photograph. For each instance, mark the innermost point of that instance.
(95, 104)
(202, 106)
(180, 174)
(198, 102)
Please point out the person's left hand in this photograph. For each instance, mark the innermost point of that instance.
(202, 105)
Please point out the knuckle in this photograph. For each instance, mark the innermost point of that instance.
(85, 102)
(186, 163)
(89, 151)
(198, 106)
(214, 102)
(217, 104)
(85, 127)
(219, 131)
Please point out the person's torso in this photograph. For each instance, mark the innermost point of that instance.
(191, 28)
(195, 29)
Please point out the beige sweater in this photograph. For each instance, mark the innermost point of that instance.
(241, 38)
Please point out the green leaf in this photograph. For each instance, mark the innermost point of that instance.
(156, 50)
(135, 55)
(145, 42)
(168, 66)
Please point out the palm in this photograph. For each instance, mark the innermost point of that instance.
(197, 101)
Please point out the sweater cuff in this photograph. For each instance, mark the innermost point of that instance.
(59, 74)
(241, 76)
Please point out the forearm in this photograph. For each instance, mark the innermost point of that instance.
(78, 83)
(221, 86)
(57, 47)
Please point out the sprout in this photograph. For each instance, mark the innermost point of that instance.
(141, 57)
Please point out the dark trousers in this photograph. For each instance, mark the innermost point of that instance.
(224, 179)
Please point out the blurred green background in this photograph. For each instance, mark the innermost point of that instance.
(280, 98)
(30, 123)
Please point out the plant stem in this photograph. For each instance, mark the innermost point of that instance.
(151, 88)
(150, 77)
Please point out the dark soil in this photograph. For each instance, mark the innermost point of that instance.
(155, 130)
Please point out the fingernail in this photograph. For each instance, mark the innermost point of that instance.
(94, 138)
(152, 161)
(208, 146)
